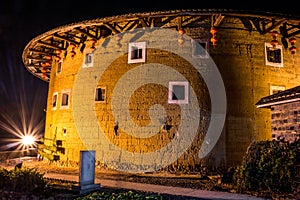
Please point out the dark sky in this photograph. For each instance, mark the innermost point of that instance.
(22, 20)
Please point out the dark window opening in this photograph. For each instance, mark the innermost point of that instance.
(178, 92)
(59, 67)
(88, 58)
(200, 50)
(100, 94)
(136, 53)
(54, 101)
(65, 99)
(273, 55)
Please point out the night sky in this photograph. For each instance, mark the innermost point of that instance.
(22, 20)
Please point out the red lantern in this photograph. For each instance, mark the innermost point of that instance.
(48, 57)
(73, 53)
(181, 31)
(73, 45)
(214, 41)
(43, 64)
(213, 31)
(293, 49)
(292, 41)
(274, 43)
(274, 34)
(58, 51)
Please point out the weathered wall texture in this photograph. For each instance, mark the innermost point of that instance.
(240, 58)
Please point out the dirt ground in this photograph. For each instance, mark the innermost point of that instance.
(210, 182)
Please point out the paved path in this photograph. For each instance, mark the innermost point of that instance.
(199, 194)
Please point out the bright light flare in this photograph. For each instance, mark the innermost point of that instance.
(28, 140)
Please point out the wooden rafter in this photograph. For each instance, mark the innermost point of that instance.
(97, 29)
(289, 30)
(216, 19)
(63, 37)
(62, 46)
(87, 32)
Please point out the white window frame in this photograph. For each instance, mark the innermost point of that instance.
(88, 64)
(137, 46)
(276, 88)
(195, 44)
(104, 96)
(54, 99)
(185, 84)
(67, 92)
(274, 64)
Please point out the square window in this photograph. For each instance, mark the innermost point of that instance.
(54, 101)
(273, 56)
(65, 99)
(200, 48)
(137, 52)
(88, 60)
(100, 94)
(178, 92)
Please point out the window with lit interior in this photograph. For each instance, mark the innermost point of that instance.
(178, 92)
(100, 94)
(137, 52)
(273, 55)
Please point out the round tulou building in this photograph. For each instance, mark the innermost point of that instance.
(173, 89)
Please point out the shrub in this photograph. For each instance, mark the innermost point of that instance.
(22, 180)
(269, 165)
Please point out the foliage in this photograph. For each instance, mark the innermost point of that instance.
(269, 165)
(22, 180)
(122, 195)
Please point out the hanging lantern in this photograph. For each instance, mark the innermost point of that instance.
(293, 49)
(48, 57)
(58, 51)
(213, 39)
(93, 44)
(73, 46)
(213, 31)
(73, 53)
(274, 43)
(292, 41)
(274, 34)
(181, 31)
(43, 64)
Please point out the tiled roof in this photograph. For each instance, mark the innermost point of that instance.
(286, 96)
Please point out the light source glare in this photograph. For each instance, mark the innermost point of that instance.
(28, 140)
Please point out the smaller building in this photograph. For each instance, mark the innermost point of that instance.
(285, 113)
